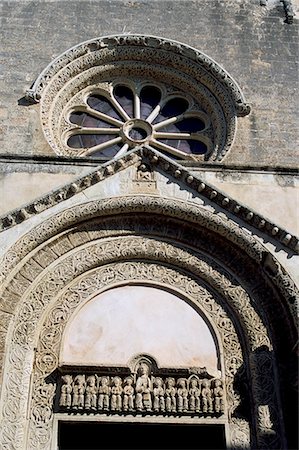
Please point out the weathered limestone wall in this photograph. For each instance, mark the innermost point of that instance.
(252, 42)
(273, 194)
(121, 184)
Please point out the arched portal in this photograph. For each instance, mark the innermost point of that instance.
(222, 272)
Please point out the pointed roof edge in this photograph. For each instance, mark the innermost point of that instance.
(170, 167)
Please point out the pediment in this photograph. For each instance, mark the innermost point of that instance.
(143, 166)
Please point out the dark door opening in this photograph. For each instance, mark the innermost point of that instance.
(120, 436)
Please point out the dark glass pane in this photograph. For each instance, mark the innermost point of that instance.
(75, 142)
(174, 107)
(125, 98)
(108, 152)
(186, 145)
(137, 133)
(101, 104)
(188, 125)
(88, 140)
(150, 97)
(87, 121)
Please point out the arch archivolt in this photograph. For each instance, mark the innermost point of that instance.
(225, 233)
(72, 279)
(68, 265)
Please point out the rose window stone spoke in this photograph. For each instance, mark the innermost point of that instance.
(109, 122)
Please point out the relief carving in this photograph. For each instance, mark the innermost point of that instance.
(78, 392)
(159, 395)
(42, 293)
(104, 393)
(129, 397)
(143, 388)
(66, 392)
(154, 394)
(194, 395)
(91, 393)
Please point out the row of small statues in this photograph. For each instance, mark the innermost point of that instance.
(148, 394)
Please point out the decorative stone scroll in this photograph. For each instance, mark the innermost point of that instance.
(52, 270)
(144, 391)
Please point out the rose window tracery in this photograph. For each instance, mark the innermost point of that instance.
(109, 95)
(115, 117)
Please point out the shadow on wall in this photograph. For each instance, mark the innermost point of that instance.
(262, 389)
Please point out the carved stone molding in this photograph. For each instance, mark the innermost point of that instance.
(36, 280)
(122, 56)
(194, 214)
(81, 290)
(152, 159)
(54, 282)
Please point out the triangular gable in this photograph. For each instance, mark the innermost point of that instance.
(172, 170)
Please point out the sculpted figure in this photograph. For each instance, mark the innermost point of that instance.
(206, 394)
(218, 396)
(170, 393)
(66, 391)
(194, 393)
(116, 394)
(91, 393)
(182, 393)
(143, 389)
(159, 400)
(79, 390)
(104, 392)
(128, 402)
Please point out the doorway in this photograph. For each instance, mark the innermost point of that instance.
(120, 436)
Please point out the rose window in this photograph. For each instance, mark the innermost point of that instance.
(112, 118)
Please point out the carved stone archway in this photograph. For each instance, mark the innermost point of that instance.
(174, 248)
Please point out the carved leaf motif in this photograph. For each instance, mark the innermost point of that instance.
(83, 287)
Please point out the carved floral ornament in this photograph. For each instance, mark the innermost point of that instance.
(52, 330)
(48, 292)
(44, 282)
(109, 95)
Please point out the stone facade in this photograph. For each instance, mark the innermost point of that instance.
(150, 286)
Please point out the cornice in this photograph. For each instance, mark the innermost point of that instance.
(10, 159)
(170, 168)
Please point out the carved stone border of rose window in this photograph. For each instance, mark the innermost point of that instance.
(145, 58)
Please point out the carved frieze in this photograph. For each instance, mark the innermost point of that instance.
(143, 391)
(45, 307)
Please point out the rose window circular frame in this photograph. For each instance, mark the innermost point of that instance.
(109, 119)
(109, 95)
